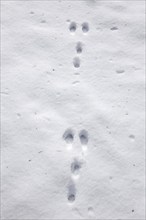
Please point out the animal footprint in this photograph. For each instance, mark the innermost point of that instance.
(72, 27)
(71, 192)
(79, 47)
(68, 136)
(85, 27)
(83, 135)
(76, 62)
(75, 167)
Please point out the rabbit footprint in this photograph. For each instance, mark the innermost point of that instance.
(68, 136)
(83, 135)
(75, 167)
(71, 196)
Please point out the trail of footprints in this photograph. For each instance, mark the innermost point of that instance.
(79, 45)
(69, 135)
(76, 163)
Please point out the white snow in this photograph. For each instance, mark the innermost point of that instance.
(73, 110)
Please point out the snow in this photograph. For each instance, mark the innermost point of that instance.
(73, 110)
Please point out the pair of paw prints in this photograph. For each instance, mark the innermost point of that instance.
(84, 26)
(69, 135)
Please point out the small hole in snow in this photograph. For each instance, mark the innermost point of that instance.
(114, 28)
(120, 71)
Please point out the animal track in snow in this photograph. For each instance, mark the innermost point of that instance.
(79, 47)
(75, 167)
(72, 27)
(83, 135)
(68, 136)
(76, 62)
(85, 27)
(71, 192)
(76, 164)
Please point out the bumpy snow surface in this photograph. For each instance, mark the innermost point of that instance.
(72, 110)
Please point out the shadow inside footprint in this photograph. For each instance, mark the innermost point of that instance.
(83, 137)
(68, 136)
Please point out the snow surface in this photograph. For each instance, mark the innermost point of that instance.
(73, 110)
